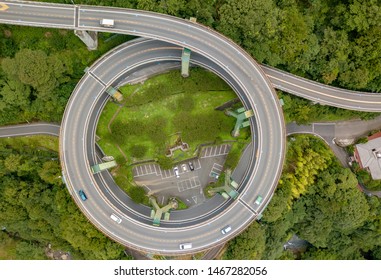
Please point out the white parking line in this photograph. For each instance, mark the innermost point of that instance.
(217, 166)
(226, 148)
(187, 184)
(216, 151)
(147, 169)
(157, 168)
(199, 164)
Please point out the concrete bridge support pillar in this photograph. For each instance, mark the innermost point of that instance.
(90, 38)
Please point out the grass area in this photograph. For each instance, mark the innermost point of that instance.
(7, 247)
(162, 113)
(181, 204)
(34, 142)
(157, 123)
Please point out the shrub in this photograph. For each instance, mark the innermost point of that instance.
(138, 151)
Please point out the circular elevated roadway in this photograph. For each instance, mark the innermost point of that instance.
(201, 226)
(210, 50)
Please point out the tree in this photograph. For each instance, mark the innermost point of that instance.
(333, 205)
(253, 24)
(51, 173)
(31, 68)
(249, 245)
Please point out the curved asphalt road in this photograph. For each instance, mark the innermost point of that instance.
(238, 69)
(191, 233)
(323, 94)
(30, 129)
(241, 68)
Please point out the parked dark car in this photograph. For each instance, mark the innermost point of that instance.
(191, 167)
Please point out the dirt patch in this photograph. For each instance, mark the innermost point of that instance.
(57, 254)
(7, 33)
(48, 34)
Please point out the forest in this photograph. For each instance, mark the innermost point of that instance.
(336, 42)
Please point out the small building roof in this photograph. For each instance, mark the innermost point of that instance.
(370, 156)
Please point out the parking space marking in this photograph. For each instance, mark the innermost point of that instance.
(157, 167)
(216, 170)
(217, 166)
(187, 184)
(216, 151)
(146, 169)
(167, 174)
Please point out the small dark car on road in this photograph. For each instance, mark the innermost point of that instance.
(82, 195)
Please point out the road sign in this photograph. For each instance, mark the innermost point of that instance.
(3, 7)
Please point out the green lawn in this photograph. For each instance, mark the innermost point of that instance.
(156, 114)
(35, 142)
(7, 247)
(155, 122)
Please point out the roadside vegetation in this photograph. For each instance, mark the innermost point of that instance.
(303, 111)
(39, 68)
(318, 200)
(36, 209)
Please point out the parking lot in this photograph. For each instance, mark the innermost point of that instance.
(189, 184)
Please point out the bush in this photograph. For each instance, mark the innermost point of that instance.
(165, 162)
(138, 151)
(137, 194)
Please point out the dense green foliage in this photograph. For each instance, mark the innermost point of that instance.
(318, 200)
(39, 69)
(36, 208)
(303, 111)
